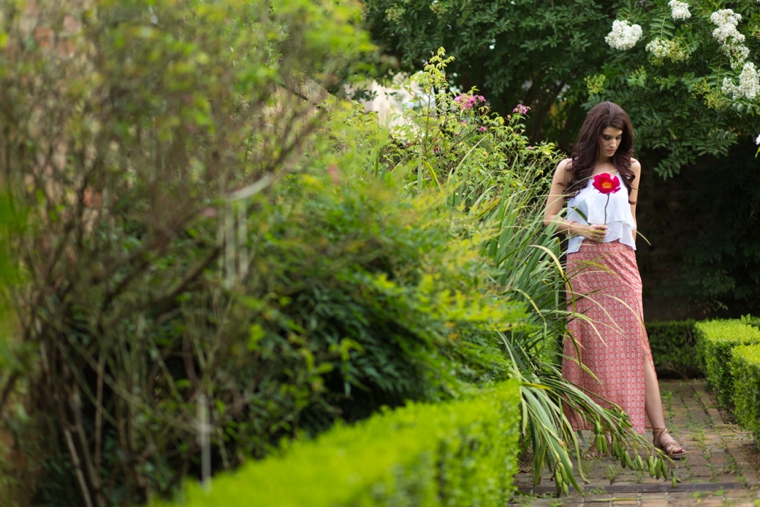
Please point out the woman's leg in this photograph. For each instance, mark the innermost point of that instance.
(653, 402)
(653, 407)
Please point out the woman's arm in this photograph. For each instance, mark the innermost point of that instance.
(556, 201)
(634, 196)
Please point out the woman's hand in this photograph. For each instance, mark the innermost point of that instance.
(593, 232)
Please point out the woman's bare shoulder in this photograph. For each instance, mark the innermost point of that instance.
(564, 165)
(635, 166)
(562, 173)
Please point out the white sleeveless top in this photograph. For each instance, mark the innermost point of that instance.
(588, 208)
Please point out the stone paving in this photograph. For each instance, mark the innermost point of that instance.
(720, 470)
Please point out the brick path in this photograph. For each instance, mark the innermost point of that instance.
(718, 471)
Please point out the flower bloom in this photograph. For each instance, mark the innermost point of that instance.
(757, 141)
(662, 48)
(727, 20)
(483, 129)
(732, 42)
(521, 109)
(623, 36)
(606, 185)
(679, 10)
(468, 101)
(749, 84)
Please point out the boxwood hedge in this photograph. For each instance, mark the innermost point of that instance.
(745, 368)
(715, 340)
(457, 453)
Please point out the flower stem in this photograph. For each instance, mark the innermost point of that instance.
(605, 209)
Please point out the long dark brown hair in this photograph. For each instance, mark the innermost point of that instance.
(586, 150)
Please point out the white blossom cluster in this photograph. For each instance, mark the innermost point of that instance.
(731, 39)
(623, 36)
(663, 48)
(679, 10)
(749, 84)
(659, 47)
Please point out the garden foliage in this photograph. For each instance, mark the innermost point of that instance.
(454, 453)
(208, 264)
(745, 369)
(194, 267)
(673, 345)
(553, 57)
(215, 255)
(715, 341)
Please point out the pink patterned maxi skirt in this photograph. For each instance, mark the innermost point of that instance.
(607, 287)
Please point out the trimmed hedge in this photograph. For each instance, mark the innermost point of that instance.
(456, 453)
(673, 345)
(715, 339)
(751, 320)
(745, 368)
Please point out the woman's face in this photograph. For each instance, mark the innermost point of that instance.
(609, 140)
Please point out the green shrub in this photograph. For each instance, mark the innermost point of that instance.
(745, 368)
(206, 242)
(673, 345)
(460, 453)
(751, 320)
(715, 339)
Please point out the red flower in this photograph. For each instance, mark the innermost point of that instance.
(606, 185)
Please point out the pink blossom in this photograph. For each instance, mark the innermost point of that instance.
(468, 101)
(530, 147)
(521, 109)
(483, 129)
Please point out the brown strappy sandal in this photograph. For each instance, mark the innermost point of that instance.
(594, 453)
(672, 449)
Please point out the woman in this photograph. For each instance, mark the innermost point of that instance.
(605, 280)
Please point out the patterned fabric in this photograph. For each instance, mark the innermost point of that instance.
(605, 280)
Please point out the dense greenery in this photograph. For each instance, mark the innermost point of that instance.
(673, 345)
(715, 341)
(455, 453)
(502, 45)
(553, 57)
(745, 368)
(205, 260)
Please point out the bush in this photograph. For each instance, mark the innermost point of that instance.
(459, 453)
(715, 340)
(673, 345)
(205, 242)
(745, 368)
(751, 320)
